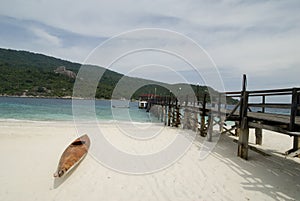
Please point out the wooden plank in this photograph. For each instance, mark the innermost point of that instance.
(275, 128)
(233, 111)
(271, 105)
(273, 91)
(280, 118)
(233, 92)
(226, 130)
(270, 94)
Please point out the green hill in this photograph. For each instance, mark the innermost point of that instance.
(30, 74)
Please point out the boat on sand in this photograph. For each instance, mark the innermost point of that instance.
(73, 155)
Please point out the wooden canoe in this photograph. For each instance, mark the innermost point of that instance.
(73, 154)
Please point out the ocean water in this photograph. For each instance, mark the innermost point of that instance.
(44, 109)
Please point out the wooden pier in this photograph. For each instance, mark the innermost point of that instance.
(202, 116)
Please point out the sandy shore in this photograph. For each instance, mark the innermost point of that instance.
(29, 154)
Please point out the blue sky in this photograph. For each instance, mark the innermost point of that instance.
(259, 38)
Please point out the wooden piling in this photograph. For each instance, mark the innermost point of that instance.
(296, 143)
(244, 128)
(221, 120)
(258, 136)
(203, 114)
(294, 105)
(283, 123)
(177, 112)
(169, 111)
(210, 127)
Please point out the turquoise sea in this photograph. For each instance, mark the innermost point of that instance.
(48, 109)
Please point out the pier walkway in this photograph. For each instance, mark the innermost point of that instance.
(252, 111)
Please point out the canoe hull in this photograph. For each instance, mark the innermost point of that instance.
(72, 155)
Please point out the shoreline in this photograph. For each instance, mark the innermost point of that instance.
(30, 151)
(63, 97)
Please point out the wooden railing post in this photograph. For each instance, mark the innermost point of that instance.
(294, 113)
(185, 117)
(258, 135)
(244, 127)
(202, 126)
(210, 126)
(221, 121)
(177, 114)
(263, 102)
(169, 111)
(294, 105)
(166, 112)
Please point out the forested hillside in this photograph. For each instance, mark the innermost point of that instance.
(29, 74)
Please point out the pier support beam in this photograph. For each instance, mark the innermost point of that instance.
(296, 143)
(243, 140)
(258, 136)
(195, 123)
(295, 151)
(244, 127)
(169, 113)
(210, 127)
(203, 114)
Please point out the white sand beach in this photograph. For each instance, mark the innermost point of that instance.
(30, 151)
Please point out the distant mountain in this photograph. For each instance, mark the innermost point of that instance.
(30, 74)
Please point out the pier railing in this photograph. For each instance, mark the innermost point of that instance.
(258, 109)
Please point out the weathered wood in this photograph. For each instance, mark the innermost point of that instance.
(258, 136)
(244, 129)
(272, 91)
(283, 123)
(195, 123)
(169, 112)
(226, 130)
(202, 125)
(295, 151)
(221, 119)
(271, 105)
(238, 128)
(162, 113)
(177, 115)
(294, 105)
(280, 118)
(210, 127)
(243, 139)
(233, 111)
(275, 128)
(296, 143)
(264, 104)
(166, 114)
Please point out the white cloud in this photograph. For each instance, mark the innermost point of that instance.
(254, 37)
(45, 37)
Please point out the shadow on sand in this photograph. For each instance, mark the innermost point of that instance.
(60, 180)
(275, 176)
